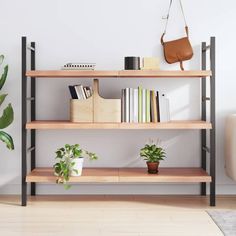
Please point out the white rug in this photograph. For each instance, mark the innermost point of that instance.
(225, 220)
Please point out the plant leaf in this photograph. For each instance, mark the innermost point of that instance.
(2, 98)
(1, 59)
(67, 186)
(7, 139)
(7, 117)
(4, 77)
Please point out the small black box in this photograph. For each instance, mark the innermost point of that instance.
(132, 63)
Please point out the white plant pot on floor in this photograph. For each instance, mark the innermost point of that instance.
(78, 166)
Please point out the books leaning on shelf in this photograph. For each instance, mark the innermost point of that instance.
(80, 91)
(144, 106)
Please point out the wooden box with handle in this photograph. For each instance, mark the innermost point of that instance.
(95, 108)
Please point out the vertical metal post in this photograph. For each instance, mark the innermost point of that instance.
(212, 131)
(23, 123)
(203, 105)
(33, 116)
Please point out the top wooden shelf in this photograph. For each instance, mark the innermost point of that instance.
(118, 74)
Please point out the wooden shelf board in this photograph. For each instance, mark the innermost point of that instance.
(117, 74)
(70, 125)
(125, 175)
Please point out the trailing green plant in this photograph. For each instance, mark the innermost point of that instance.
(65, 157)
(152, 152)
(8, 114)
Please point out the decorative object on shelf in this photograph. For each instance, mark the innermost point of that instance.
(177, 50)
(8, 114)
(70, 160)
(132, 63)
(79, 66)
(151, 63)
(153, 153)
(95, 108)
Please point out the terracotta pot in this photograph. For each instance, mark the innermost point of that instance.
(152, 167)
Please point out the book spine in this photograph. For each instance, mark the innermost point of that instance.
(77, 91)
(73, 92)
(148, 106)
(140, 104)
(127, 105)
(131, 105)
(158, 107)
(144, 106)
(151, 106)
(164, 109)
(136, 105)
(122, 105)
(82, 92)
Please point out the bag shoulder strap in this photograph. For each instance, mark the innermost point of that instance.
(167, 20)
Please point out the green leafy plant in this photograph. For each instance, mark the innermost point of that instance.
(65, 157)
(8, 114)
(152, 152)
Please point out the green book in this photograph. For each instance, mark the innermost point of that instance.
(140, 104)
(148, 105)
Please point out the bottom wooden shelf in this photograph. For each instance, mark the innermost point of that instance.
(125, 175)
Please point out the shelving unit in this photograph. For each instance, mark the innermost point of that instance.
(120, 175)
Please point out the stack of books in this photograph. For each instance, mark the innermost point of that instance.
(79, 66)
(80, 92)
(144, 106)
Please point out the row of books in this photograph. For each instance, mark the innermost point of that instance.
(144, 106)
(80, 92)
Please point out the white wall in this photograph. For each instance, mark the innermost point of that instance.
(104, 32)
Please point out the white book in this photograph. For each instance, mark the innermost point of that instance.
(144, 106)
(136, 105)
(131, 105)
(127, 105)
(164, 108)
(82, 91)
(77, 91)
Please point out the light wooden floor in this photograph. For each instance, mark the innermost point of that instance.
(110, 215)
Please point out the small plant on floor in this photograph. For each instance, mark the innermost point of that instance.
(70, 162)
(8, 115)
(152, 153)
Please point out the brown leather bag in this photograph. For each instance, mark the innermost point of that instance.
(178, 50)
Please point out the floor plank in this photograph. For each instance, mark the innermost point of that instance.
(110, 215)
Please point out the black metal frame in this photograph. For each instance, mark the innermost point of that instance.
(212, 148)
(31, 99)
(204, 133)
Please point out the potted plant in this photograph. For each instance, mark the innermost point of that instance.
(152, 154)
(69, 163)
(8, 114)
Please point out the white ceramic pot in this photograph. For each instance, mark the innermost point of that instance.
(78, 166)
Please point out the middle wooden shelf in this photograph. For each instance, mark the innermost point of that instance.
(51, 124)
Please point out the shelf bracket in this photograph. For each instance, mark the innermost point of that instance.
(206, 48)
(31, 149)
(206, 98)
(31, 48)
(207, 149)
(30, 98)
